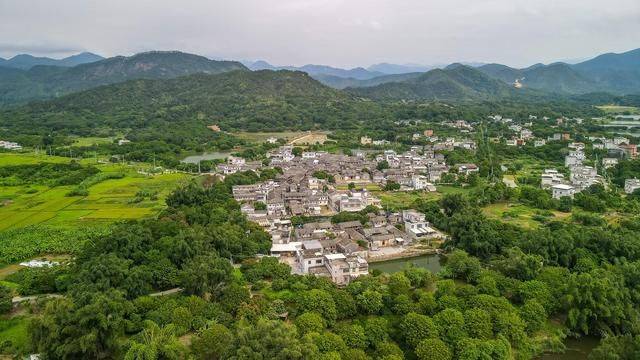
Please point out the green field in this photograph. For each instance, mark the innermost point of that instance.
(615, 109)
(107, 201)
(90, 141)
(13, 334)
(518, 214)
(260, 137)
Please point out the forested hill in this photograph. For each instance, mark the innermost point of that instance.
(455, 83)
(42, 82)
(261, 100)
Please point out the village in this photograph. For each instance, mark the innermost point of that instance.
(319, 185)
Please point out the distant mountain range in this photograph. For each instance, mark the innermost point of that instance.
(26, 78)
(46, 81)
(323, 70)
(456, 82)
(26, 62)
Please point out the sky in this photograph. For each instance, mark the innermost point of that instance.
(343, 33)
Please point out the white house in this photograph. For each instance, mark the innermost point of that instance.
(631, 185)
(562, 190)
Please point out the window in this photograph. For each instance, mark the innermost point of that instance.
(318, 261)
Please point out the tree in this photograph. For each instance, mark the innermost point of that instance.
(370, 302)
(533, 315)
(399, 283)
(320, 302)
(213, 342)
(382, 165)
(415, 327)
(450, 324)
(268, 339)
(463, 266)
(83, 328)
(353, 335)
(161, 343)
(310, 322)
(476, 349)
(391, 186)
(233, 296)
(478, 324)
(205, 274)
(376, 330)
(433, 349)
(5, 299)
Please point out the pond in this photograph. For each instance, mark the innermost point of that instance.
(194, 159)
(432, 263)
(577, 349)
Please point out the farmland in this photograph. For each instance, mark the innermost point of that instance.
(37, 218)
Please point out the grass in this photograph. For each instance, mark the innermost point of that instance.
(13, 333)
(400, 200)
(615, 109)
(90, 141)
(109, 200)
(260, 137)
(519, 214)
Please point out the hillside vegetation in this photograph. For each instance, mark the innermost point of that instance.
(45, 81)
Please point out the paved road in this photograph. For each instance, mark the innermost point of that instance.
(20, 299)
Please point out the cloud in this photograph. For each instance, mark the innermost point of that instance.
(334, 32)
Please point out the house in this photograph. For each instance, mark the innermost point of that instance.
(467, 169)
(10, 145)
(428, 133)
(631, 185)
(343, 269)
(416, 226)
(551, 177)
(123, 142)
(562, 190)
(609, 162)
(539, 143)
(421, 182)
(272, 140)
(365, 140)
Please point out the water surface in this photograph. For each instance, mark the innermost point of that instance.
(432, 263)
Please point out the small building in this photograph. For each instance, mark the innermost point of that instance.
(562, 190)
(631, 185)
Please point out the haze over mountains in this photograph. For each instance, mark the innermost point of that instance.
(26, 78)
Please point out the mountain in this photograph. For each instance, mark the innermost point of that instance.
(246, 100)
(79, 59)
(615, 73)
(556, 78)
(456, 83)
(41, 82)
(392, 69)
(26, 61)
(343, 83)
(619, 73)
(321, 71)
